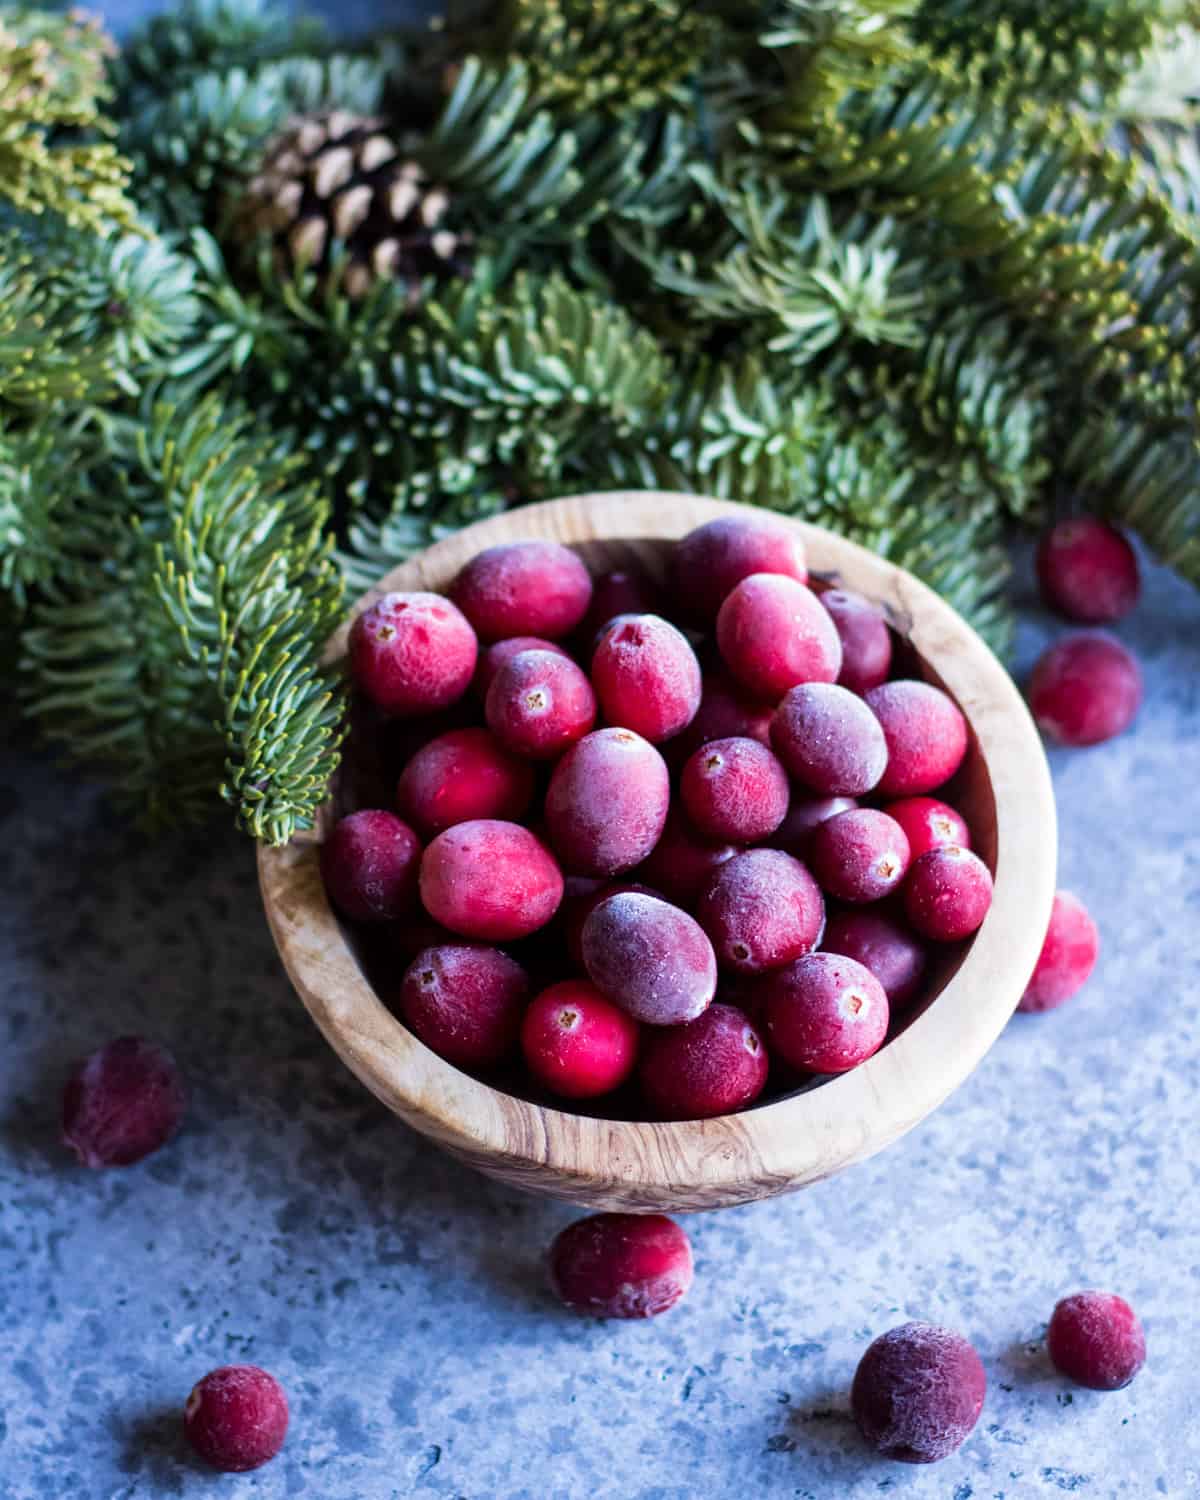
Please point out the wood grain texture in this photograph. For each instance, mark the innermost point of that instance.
(1004, 789)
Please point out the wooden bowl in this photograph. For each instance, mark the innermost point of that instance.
(1004, 789)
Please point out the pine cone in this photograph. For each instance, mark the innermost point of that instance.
(336, 177)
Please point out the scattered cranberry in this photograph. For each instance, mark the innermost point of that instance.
(1085, 689)
(621, 1265)
(734, 789)
(918, 1392)
(369, 864)
(622, 592)
(650, 958)
(926, 736)
(582, 896)
(523, 588)
(824, 1013)
(713, 1066)
(829, 740)
(711, 561)
(491, 880)
(1088, 571)
(491, 660)
(1095, 1339)
(539, 704)
(606, 804)
(761, 909)
(773, 633)
(681, 862)
(577, 1043)
(646, 676)
(1067, 958)
(947, 893)
(122, 1102)
(866, 639)
(412, 653)
(859, 856)
(460, 776)
(803, 816)
(465, 1002)
(236, 1418)
(928, 824)
(895, 957)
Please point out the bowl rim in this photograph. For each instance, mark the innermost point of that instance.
(786, 1143)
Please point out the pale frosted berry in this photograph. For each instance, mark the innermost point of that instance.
(369, 864)
(122, 1102)
(859, 856)
(947, 893)
(681, 862)
(1096, 1340)
(734, 789)
(713, 559)
(607, 801)
(491, 660)
(465, 1002)
(773, 633)
(1088, 571)
(926, 736)
(491, 880)
(649, 957)
(582, 894)
(621, 1265)
(761, 909)
(1085, 689)
(929, 823)
(539, 704)
(523, 588)
(577, 1043)
(236, 1418)
(412, 653)
(712, 1066)
(646, 676)
(829, 740)
(918, 1392)
(1067, 958)
(463, 775)
(896, 958)
(824, 1013)
(866, 639)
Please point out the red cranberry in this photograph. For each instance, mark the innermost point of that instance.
(624, 591)
(892, 953)
(236, 1418)
(491, 880)
(681, 862)
(621, 1265)
(926, 736)
(649, 957)
(824, 1013)
(803, 816)
(582, 896)
(761, 909)
(460, 776)
(711, 561)
(829, 740)
(1095, 1339)
(122, 1102)
(947, 893)
(465, 1002)
(412, 653)
(491, 660)
(606, 804)
(369, 864)
(523, 588)
(1088, 571)
(928, 824)
(734, 789)
(646, 676)
(539, 704)
(858, 856)
(1067, 958)
(1085, 689)
(918, 1392)
(713, 1066)
(866, 640)
(577, 1043)
(725, 713)
(773, 633)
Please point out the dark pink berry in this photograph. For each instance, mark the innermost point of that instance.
(859, 856)
(621, 1265)
(650, 958)
(369, 864)
(713, 1066)
(711, 561)
(624, 591)
(460, 776)
(926, 736)
(412, 653)
(523, 588)
(582, 895)
(681, 862)
(577, 1043)
(236, 1418)
(1088, 571)
(761, 909)
(918, 1392)
(866, 639)
(1096, 1340)
(1085, 689)
(734, 789)
(491, 660)
(824, 1013)
(929, 823)
(895, 957)
(465, 1002)
(607, 801)
(539, 704)
(491, 880)
(122, 1102)
(804, 815)
(829, 740)
(646, 676)
(773, 633)
(725, 713)
(947, 893)
(1067, 958)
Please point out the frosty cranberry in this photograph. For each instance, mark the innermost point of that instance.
(236, 1418)
(1088, 571)
(895, 957)
(625, 591)
(412, 653)
(802, 817)
(1095, 1339)
(463, 775)
(649, 957)
(824, 1013)
(369, 865)
(761, 909)
(829, 740)
(606, 804)
(491, 660)
(928, 824)
(926, 736)
(490, 879)
(713, 1066)
(773, 633)
(866, 639)
(1085, 689)
(621, 1265)
(947, 893)
(523, 588)
(646, 676)
(539, 704)
(681, 862)
(734, 789)
(122, 1102)
(465, 1002)
(577, 1043)
(1067, 958)
(711, 561)
(582, 896)
(859, 856)
(725, 713)
(918, 1392)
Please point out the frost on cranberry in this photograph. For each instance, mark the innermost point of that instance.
(581, 896)
(896, 958)
(412, 653)
(491, 880)
(621, 1265)
(607, 801)
(539, 704)
(829, 740)
(236, 1418)
(491, 660)
(122, 1102)
(1067, 958)
(803, 816)
(463, 775)
(369, 865)
(773, 633)
(734, 789)
(918, 1392)
(928, 824)
(523, 588)
(681, 862)
(866, 639)
(947, 894)
(824, 1013)
(650, 958)
(577, 1043)
(1085, 689)
(761, 909)
(926, 736)
(713, 559)
(625, 591)
(712, 1066)
(646, 676)
(859, 856)
(1096, 1340)
(1088, 571)
(465, 1002)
